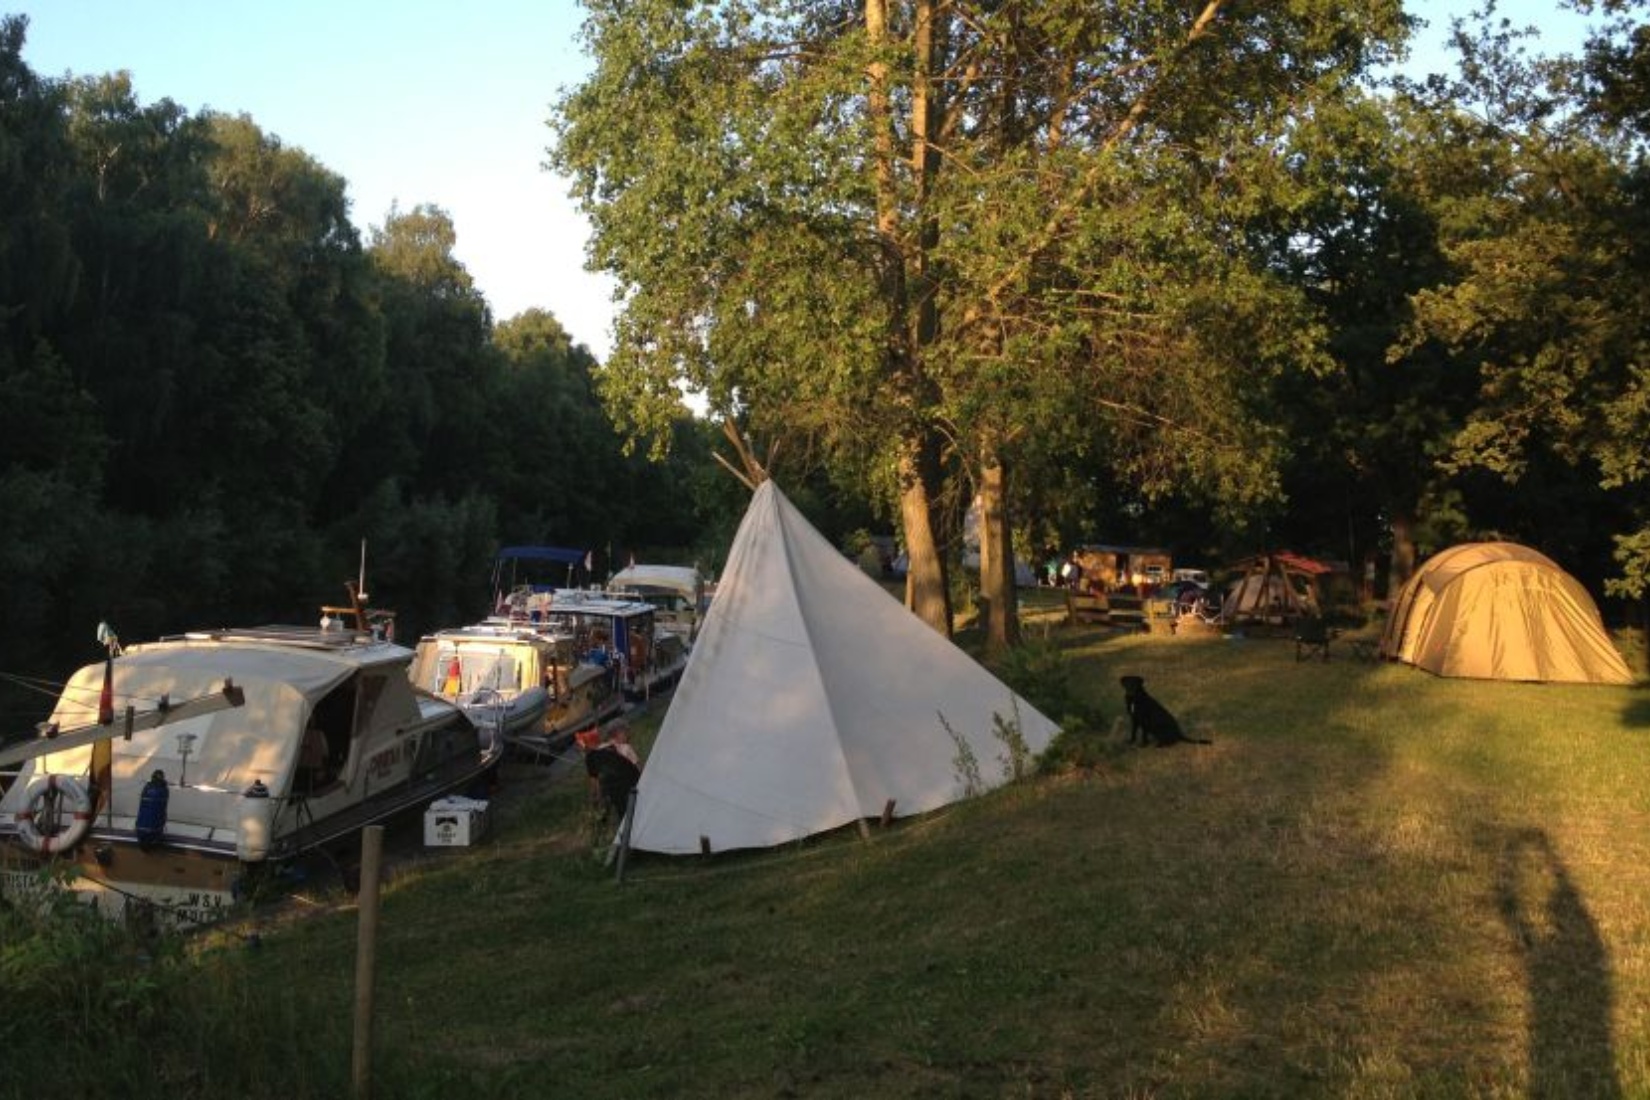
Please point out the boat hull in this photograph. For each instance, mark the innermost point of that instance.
(326, 736)
(185, 880)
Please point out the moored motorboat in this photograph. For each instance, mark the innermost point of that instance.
(615, 631)
(622, 633)
(180, 815)
(518, 681)
(677, 593)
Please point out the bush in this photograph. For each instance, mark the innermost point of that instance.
(1040, 672)
(84, 978)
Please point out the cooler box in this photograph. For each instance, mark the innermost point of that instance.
(455, 822)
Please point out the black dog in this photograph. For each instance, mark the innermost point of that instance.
(1150, 721)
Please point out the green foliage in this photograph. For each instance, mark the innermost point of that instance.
(966, 762)
(1017, 758)
(856, 542)
(1633, 559)
(1544, 300)
(1015, 761)
(817, 224)
(1040, 672)
(87, 979)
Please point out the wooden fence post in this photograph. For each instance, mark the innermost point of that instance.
(366, 959)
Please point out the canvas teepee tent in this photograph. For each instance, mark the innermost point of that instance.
(811, 700)
(1501, 611)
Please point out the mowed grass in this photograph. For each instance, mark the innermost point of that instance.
(1373, 884)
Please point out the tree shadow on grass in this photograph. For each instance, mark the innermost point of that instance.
(1636, 714)
(1566, 968)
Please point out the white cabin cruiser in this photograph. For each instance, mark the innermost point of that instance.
(677, 593)
(330, 736)
(520, 682)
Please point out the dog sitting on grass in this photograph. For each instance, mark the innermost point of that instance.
(1150, 722)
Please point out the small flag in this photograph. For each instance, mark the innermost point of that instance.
(455, 678)
(106, 701)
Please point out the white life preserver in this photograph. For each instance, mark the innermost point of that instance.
(72, 796)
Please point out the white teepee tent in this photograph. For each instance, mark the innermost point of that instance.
(811, 700)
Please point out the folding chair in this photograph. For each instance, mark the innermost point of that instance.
(1312, 635)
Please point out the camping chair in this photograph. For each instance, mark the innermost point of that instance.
(1312, 635)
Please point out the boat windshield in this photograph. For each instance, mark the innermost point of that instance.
(454, 671)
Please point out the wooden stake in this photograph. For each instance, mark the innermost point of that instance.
(624, 836)
(888, 813)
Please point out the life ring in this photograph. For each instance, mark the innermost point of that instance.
(71, 794)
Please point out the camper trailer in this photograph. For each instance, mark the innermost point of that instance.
(1109, 568)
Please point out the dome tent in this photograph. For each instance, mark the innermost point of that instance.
(1500, 611)
(811, 700)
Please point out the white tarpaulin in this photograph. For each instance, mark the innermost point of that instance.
(228, 749)
(812, 698)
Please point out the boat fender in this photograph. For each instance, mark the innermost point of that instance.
(70, 796)
(257, 817)
(151, 815)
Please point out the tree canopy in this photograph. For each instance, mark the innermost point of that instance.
(935, 239)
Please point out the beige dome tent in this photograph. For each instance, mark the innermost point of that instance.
(813, 699)
(1500, 611)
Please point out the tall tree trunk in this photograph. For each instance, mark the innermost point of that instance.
(1402, 566)
(997, 553)
(926, 592)
(912, 326)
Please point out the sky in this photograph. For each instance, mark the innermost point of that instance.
(409, 101)
(415, 102)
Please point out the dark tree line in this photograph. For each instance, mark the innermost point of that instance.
(214, 390)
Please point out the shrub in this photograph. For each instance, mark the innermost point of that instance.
(1039, 671)
(81, 974)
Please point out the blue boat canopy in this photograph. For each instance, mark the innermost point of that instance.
(541, 553)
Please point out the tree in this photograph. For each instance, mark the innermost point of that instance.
(438, 368)
(1549, 300)
(930, 235)
(1364, 238)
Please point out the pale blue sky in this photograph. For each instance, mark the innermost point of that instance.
(412, 101)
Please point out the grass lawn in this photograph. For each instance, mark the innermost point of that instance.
(1374, 883)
